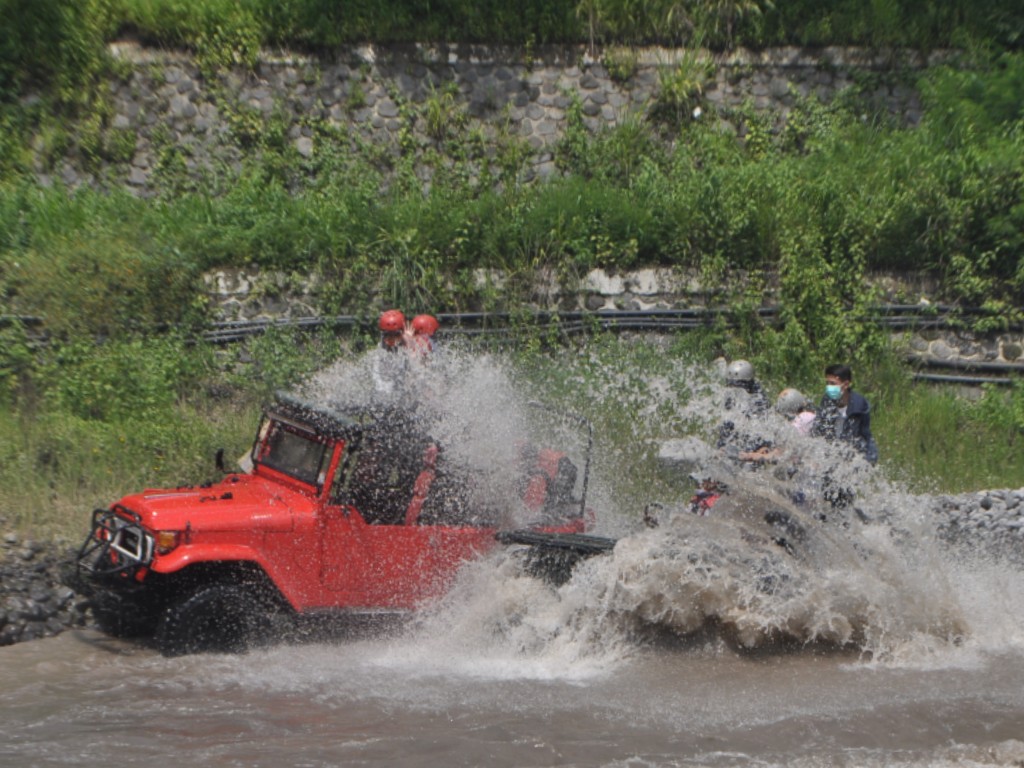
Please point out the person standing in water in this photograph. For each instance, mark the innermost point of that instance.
(845, 414)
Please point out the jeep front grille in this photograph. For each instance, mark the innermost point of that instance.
(116, 545)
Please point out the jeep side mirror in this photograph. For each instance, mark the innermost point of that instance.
(219, 461)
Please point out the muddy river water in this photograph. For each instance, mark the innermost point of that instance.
(431, 696)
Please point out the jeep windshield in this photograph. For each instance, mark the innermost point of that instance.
(294, 451)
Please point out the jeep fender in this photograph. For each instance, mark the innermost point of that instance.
(175, 562)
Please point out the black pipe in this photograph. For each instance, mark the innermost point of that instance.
(498, 322)
(972, 381)
(29, 320)
(967, 365)
(893, 316)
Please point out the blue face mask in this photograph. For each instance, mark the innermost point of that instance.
(833, 391)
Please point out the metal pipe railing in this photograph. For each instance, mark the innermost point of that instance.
(894, 316)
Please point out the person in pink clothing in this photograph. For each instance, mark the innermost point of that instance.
(792, 404)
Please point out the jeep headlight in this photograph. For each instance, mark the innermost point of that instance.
(166, 541)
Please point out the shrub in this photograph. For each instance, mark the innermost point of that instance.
(135, 378)
(104, 286)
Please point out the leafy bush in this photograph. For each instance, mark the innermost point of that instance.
(104, 285)
(278, 359)
(60, 43)
(136, 378)
(17, 360)
(1003, 411)
(963, 102)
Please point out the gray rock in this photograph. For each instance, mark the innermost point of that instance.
(387, 109)
(33, 601)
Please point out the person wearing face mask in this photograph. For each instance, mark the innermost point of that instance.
(845, 414)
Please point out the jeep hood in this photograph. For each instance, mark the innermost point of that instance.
(240, 502)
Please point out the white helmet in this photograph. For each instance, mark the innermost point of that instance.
(739, 370)
(791, 401)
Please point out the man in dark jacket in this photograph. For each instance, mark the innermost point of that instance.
(845, 414)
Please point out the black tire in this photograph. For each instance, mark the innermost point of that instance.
(122, 623)
(220, 618)
(123, 617)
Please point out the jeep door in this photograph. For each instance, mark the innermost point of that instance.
(376, 554)
(379, 565)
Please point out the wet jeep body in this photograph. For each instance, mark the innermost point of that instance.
(339, 513)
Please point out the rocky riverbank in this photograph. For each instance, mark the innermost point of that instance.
(991, 520)
(35, 603)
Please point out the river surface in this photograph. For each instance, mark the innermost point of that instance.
(83, 699)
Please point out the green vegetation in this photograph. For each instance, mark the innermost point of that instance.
(839, 192)
(227, 32)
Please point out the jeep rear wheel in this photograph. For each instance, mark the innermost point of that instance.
(222, 618)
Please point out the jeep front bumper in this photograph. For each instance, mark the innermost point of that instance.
(117, 549)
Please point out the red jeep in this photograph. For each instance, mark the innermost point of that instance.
(339, 513)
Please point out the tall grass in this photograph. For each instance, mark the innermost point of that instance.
(321, 23)
(943, 441)
(55, 468)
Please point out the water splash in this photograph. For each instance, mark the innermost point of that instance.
(777, 564)
(468, 405)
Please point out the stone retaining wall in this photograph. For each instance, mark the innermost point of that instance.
(162, 100)
(967, 347)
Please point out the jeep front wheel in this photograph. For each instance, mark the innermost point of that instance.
(222, 618)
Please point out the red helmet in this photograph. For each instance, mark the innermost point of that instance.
(425, 325)
(392, 321)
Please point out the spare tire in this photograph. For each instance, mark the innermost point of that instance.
(218, 618)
